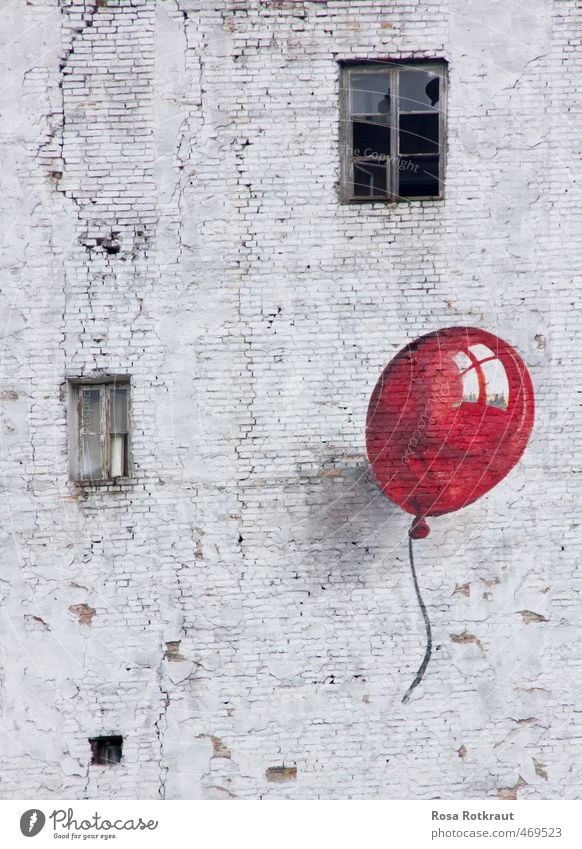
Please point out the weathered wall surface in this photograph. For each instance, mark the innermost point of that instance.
(244, 602)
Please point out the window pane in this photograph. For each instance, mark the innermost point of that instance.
(369, 180)
(118, 443)
(371, 137)
(418, 176)
(91, 457)
(91, 410)
(118, 409)
(370, 93)
(419, 133)
(419, 91)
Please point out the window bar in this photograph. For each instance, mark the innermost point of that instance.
(394, 184)
(106, 463)
(443, 100)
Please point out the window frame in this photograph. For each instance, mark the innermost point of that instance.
(103, 383)
(393, 67)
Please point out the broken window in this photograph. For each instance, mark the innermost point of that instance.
(106, 750)
(393, 131)
(100, 443)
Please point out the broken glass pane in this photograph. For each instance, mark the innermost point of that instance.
(371, 137)
(369, 180)
(370, 93)
(419, 133)
(118, 409)
(418, 176)
(419, 91)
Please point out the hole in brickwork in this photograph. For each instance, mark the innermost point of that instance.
(111, 244)
(106, 750)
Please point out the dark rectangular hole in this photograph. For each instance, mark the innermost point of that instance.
(418, 176)
(419, 133)
(371, 137)
(106, 750)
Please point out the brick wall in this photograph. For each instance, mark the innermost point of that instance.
(241, 610)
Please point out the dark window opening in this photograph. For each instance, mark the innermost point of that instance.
(370, 180)
(370, 137)
(106, 750)
(393, 128)
(419, 134)
(418, 176)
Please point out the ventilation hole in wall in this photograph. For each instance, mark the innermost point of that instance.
(106, 750)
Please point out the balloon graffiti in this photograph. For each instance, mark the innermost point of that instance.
(448, 419)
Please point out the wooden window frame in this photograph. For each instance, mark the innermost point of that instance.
(393, 68)
(103, 384)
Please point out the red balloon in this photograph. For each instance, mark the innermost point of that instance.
(449, 418)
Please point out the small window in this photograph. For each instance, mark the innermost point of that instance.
(100, 441)
(106, 750)
(393, 131)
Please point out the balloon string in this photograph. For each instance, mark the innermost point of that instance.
(427, 654)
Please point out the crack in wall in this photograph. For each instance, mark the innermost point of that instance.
(161, 725)
(76, 38)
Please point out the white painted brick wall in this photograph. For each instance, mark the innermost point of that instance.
(254, 313)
